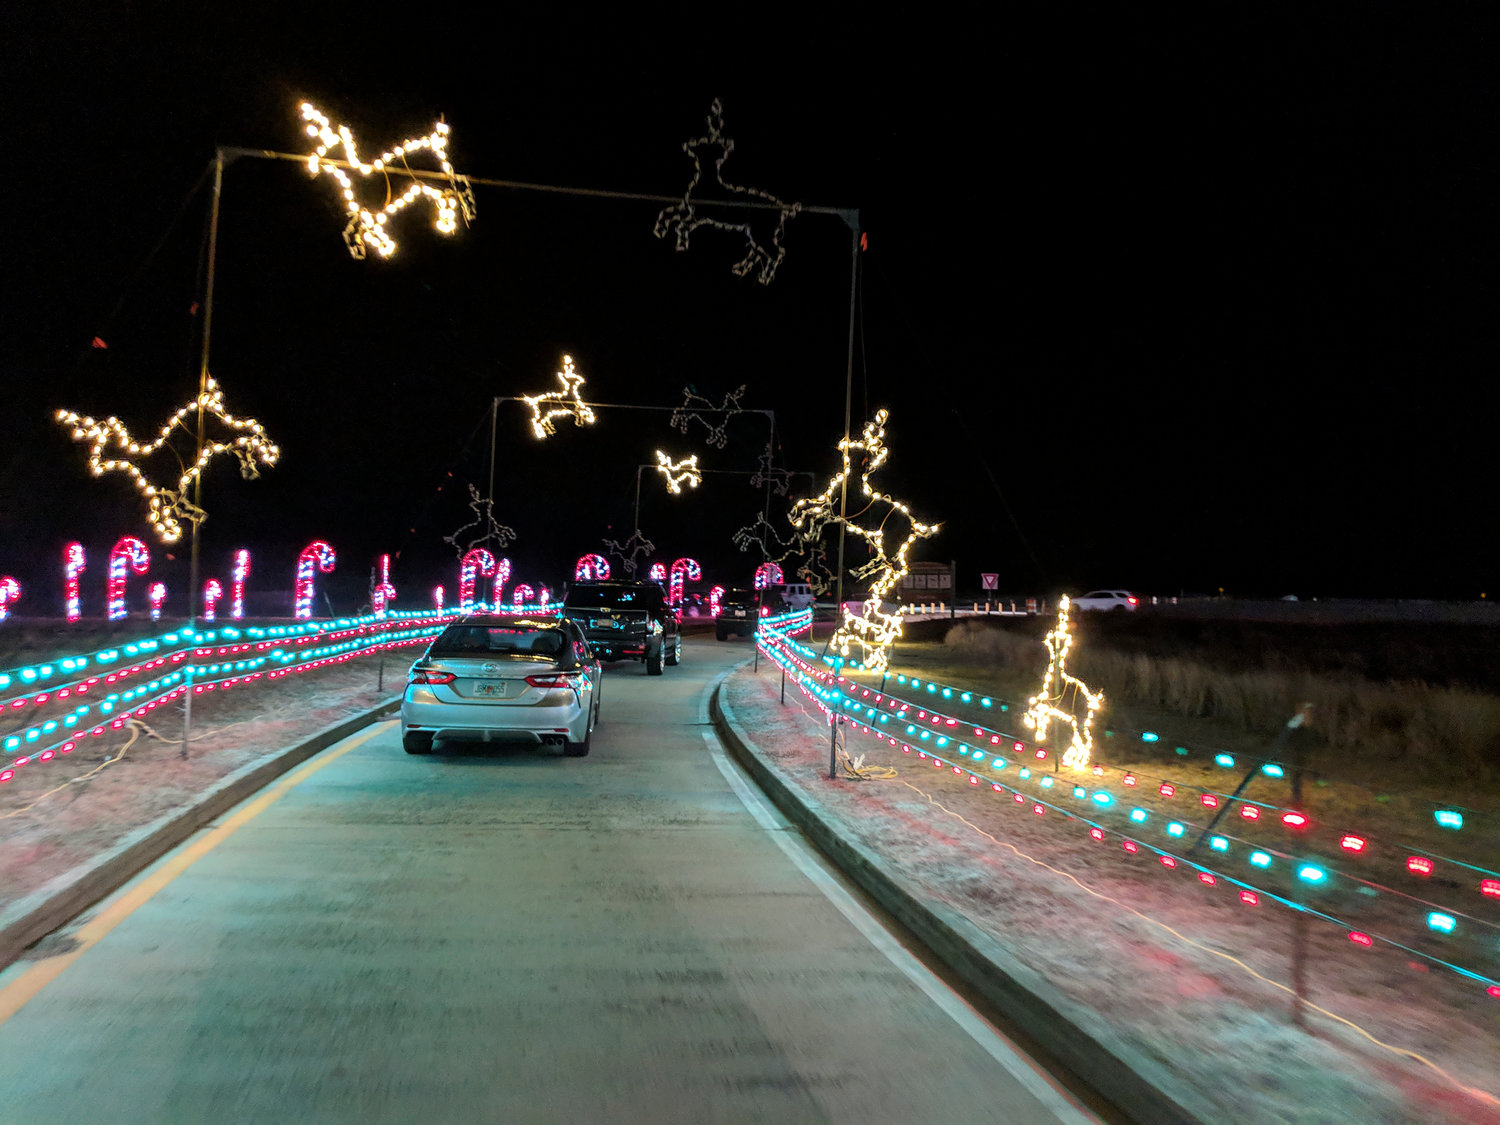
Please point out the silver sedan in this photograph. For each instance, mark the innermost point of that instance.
(497, 678)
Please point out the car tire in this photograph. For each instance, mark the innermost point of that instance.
(721, 635)
(653, 663)
(414, 743)
(676, 657)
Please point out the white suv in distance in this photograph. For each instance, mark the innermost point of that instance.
(1113, 600)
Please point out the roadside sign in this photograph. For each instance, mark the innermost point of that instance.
(991, 581)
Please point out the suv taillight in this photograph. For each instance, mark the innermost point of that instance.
(433, 677)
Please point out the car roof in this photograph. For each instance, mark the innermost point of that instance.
(509, 620)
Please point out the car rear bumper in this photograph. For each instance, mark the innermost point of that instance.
(491, 723)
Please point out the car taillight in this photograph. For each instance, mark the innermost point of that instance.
(554, 679)
(1133, 600)
(433, 677)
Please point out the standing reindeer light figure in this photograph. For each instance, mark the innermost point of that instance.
(1060, 691)
(876, 628)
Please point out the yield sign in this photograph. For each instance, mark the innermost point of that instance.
(991, 581)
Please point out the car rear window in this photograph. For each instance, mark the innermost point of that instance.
(500, 640)
(614, 597)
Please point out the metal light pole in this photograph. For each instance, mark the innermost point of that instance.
(852, 218)
(208, 321)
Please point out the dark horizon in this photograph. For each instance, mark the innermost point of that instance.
(1174, 305)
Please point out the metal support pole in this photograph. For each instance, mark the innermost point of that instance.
(852, 218)
(208, 322)
(783, 685)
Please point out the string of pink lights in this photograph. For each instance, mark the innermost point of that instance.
(822, 687)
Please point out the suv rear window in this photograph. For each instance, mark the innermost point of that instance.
(625, 597)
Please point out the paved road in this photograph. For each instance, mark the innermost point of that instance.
(490, 935)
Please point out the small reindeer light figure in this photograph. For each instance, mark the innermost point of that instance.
(678, 473)
(370, 225)
(559, 404)
(1061, 705)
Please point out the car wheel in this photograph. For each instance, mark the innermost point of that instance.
(676, 657)
(720, 635)
(653, 663)
(415, 743)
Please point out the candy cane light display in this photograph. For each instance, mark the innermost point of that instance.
(73, 560)
(688, 567)
(382, 593)
(437, 598)
(715, 600)
(502, 576)
(657, 573)
(168, 507)
(478, 563)
(212, 592)
(768, 574)
(237, 578)
(129, 554)
(10, 594)
(369, 226)
(157, 596)
(1061, 704)
(316, 556)
(591, 568)
(522, 594)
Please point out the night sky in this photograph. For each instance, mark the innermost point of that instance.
(1175, 301)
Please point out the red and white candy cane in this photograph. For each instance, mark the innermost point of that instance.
(317, 555)
(522, 594)
(10, 594)
(768, 574)
(682, 567)
(383, 593)
(72, 568)
(591, 568)
(157, 596)
(502, 576)
(437, 598)
(715, 596)
(478, 563)
(237, 578)
(212, 592)
(129, 554)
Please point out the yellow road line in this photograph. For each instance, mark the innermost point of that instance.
(14, 996)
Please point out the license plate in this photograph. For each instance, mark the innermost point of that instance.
(489, 687)
(739, 613)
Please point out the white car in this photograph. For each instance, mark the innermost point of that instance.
(1116, 600)
(498, 678)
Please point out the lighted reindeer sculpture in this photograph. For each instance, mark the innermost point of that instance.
(878, 625)
(1060, 694)
(763, 254)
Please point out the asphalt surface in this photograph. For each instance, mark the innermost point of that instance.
(488, 934)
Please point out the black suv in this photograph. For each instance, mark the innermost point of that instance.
(626, 621)
(741, 610)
